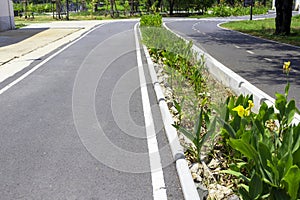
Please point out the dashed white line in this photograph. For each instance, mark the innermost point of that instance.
(268, 59)
(236, 46)
(251, 52)
(157, 176)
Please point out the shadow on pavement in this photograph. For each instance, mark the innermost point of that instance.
(14, 36)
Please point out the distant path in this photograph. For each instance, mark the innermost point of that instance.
(75, 127)
(257, 60)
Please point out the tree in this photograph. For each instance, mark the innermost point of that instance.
(283, 16)
(131, 7)
(58, 8)
(95, 5)
(113, 8)
(171, 6)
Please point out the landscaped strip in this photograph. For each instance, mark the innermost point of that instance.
(254, 155)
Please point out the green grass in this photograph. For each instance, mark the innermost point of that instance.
(266, 28)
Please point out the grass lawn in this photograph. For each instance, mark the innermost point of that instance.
(266, 28)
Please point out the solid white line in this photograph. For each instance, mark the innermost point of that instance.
(157, 176)
(251, 52)
(43, 62)
(268, 59)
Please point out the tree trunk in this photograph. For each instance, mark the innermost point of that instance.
(171, 2)
(158, 6)
(283, 16)
(116, 9)
(112, 13)
(131, 7)
(58, 8)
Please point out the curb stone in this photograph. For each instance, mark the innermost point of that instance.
(235, 82)
(187, 183)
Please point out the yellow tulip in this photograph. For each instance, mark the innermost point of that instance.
(286, 67)
(251, 104)
(240, 110)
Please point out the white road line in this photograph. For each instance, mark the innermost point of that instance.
(157, 176)
(251, 52)
(43, 62)
(268, 59)
(238, 47)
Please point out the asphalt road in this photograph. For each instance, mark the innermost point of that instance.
(75, 127)
(258, 61)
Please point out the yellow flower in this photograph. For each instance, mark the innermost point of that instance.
(240, 110)
(251, 104)
(247, 111)
(286, 67)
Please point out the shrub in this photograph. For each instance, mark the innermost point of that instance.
(151, 20)
(268, 144)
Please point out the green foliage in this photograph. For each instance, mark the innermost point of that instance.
(226, 11)
(269, 143)
(36, 8)
(176, 54)
(199, 136)
(178, 58)
(151, 20)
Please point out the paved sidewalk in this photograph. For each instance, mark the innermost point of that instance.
(17, 43)
(19, 48)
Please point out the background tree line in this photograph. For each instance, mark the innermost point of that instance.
(283, 7)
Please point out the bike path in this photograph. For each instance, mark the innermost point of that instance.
(74, 128)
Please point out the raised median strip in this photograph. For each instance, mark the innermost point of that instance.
(188, 187)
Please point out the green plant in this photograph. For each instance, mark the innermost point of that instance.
(151, 20)
(175, 53)
(203, 130)
(269, 144)
(238, 10)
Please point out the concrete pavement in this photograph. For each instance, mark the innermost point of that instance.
(19, 48)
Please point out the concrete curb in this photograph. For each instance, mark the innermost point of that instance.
(235, 82)
(187, 184)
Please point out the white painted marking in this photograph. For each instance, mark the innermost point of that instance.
(157, 176)
(268, 59)
(44, 62)
(238, 47)
(251, 52)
